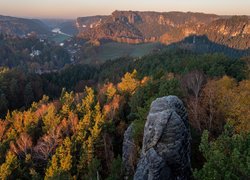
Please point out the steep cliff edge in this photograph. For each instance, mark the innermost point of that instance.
(166, 142)
(137, 27)
(233, 32)
(166, 27)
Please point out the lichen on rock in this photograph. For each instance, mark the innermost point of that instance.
(166, 142)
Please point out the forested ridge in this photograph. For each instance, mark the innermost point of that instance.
(31, 53)
(70, 124)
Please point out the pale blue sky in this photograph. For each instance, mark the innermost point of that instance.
(76, 8)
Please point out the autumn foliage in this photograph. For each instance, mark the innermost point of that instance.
(79, 135)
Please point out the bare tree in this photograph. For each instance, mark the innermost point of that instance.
(193, 83)
(214, 118)
(46, 146)
(22, 146)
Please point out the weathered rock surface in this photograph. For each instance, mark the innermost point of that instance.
(166, 142)
(129, 152)
(167, 27)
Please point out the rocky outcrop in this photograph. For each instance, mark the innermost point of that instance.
(167, 27)
(233, 32)
(166, 142)
(129, 153)
(137, 26)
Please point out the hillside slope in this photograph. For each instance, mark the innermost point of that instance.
(140, 27)
(21, 26)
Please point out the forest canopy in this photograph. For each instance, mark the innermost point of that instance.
(70, 123)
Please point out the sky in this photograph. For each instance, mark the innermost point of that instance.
(77, 8)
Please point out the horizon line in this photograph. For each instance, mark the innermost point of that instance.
(75, 17)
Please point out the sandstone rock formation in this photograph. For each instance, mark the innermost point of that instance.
(129, 153)
(166, 27)
(166, 142)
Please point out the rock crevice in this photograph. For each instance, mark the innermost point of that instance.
(166, 142)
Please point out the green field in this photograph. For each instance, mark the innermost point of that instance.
(115, 50)
(59, 38)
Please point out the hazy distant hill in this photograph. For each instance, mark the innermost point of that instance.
(67, 26)
(21, 26)
(169, 27)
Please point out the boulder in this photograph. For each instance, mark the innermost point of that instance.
(166, 142)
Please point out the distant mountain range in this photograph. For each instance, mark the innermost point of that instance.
(135, 27)
(170, 27)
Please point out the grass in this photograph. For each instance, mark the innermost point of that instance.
(115, 50)
(59, 38)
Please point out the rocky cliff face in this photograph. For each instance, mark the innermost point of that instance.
(233, 32)
(21, 26)
(137, 27)
(166, 142)
(129, 153)
(169, 27)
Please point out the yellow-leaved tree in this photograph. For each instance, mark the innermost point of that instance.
(61, 162)
(85, 109)
(10, 164)
(239, 113)
(129, 83)
(225, 100)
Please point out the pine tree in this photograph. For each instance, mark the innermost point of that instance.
(28, 94)
(227, 157)
(3, 102)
